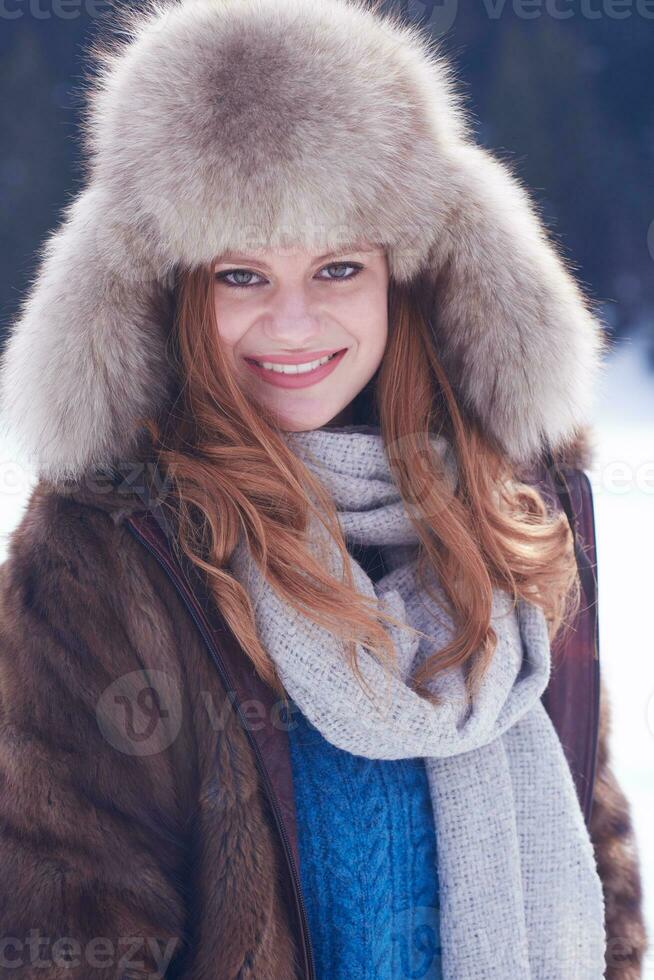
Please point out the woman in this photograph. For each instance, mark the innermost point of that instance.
(320, 751)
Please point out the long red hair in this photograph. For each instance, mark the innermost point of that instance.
(228, 468)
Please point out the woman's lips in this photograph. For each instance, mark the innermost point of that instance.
(296, 380)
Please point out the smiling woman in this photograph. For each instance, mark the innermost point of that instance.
(219, 534)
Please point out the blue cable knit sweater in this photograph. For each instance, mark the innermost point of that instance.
(367, 851)
(367, 848)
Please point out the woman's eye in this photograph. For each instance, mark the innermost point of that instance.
(222, 277)
(341, 266)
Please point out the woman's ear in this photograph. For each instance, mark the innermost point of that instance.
(514, 331)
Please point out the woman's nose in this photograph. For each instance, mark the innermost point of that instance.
(292, 322)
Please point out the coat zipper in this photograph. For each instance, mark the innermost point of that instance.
(279, 820)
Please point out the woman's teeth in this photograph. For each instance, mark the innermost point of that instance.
(296, 368)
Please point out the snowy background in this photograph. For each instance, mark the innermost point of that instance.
(623, 491)
(623, 487)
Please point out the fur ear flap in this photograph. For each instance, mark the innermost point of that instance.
(514, 330)
(86, 358)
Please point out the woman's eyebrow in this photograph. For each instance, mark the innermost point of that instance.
(351, 247)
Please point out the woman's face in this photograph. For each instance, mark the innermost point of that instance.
(292, 308)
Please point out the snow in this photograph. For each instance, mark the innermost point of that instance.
(623, 490)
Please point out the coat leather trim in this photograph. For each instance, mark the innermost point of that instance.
(573, 700)
(242, 683)
(582, 671)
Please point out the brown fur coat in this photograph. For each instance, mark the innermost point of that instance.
(131, 860)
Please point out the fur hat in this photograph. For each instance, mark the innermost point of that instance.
(214, 124)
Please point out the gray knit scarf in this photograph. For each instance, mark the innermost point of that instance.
(520, 895)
